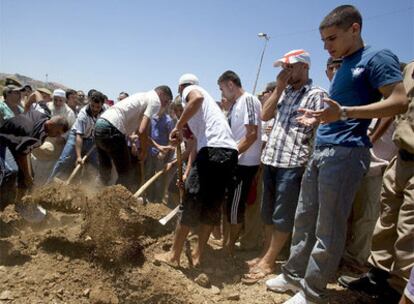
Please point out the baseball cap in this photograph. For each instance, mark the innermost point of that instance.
(11, 80)
(294, 57)
(45, 91)
(188, 79)
(59, 93)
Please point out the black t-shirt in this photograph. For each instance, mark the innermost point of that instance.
(24, 132)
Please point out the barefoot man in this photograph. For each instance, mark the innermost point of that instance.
(210, 173)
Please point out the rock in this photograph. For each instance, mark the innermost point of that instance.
(215, 290)
(59, 257)
(86, 292)
(234, 296)
(203, 280)
(67, 259)
(101, 295)
(46, 293)
(60, 291)
(6, 295)
(3, 269)
(156, 263)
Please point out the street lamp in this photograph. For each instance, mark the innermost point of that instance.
(260, 35)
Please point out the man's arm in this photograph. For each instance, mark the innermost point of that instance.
(270, 106)
(78, 148)
(143, 136)
(194, 101)
(248, 139)
(34, 97)
(24, 167)
(395, 102)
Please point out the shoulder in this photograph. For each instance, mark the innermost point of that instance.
(375, 57)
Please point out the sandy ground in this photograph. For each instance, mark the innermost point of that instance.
(99, 249)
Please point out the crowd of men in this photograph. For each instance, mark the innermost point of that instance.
(329, 173)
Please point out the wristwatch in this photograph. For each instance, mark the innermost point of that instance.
(344, 114)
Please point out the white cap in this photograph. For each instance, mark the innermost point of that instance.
(293, 57)
(188, 79)
(59, 93)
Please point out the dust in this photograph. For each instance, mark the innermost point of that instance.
(58, 196)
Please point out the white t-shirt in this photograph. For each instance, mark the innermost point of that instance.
(209, 125)
(126, 115)
(246, 111)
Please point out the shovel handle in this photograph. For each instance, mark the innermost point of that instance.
(78, 166)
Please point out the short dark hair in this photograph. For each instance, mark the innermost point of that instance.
(124, 93)
(97, 97)
(165, 90)
(70, 92)
(60, 121)
(230, 76)
(343, 17)
(90, 92)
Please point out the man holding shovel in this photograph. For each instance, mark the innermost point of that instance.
(211, 171)
(131, 118)
(18, 137)
(80, 139)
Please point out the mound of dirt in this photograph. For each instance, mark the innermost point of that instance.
(58, 196)
(112, 226)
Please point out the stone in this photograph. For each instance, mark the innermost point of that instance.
(234, 296)
(203, 280)
(101, 295)
(67, 259)
(215, 290)
(6, 295)
(86, 292)
(59, 257)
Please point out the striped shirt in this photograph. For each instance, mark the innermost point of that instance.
(290, 143)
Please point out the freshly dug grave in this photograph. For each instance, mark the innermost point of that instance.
(105, 255)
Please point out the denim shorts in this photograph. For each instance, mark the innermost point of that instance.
(281, 187)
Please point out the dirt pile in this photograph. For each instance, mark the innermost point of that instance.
(113, 224)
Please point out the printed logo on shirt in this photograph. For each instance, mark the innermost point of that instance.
(356, 72)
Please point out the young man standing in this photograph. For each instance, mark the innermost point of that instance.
(210, 174)
(245, 123)
(341, 155)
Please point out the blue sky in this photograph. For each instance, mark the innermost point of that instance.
(136, 45)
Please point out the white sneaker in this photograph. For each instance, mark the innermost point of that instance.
(298, 298)
(280, 284)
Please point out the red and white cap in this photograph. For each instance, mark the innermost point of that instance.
(293, 57)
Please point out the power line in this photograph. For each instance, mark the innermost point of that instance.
(365, 19)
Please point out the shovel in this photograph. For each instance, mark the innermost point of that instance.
(78, 166)
(170, 215)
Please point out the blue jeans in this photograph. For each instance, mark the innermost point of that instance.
(329, 185)
(8, 176)
(112, 146)
(67, 160)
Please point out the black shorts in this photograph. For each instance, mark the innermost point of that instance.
(238, 193)
(209, 177)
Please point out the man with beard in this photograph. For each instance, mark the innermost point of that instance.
(285, 155)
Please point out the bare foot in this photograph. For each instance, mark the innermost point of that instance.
(253, 262)
(195, 256)
(168, 259)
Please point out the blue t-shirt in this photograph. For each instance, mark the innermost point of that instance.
(356, 83)
(160, 131)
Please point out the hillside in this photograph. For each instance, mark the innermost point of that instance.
(34, 83)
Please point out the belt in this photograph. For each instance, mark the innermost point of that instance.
(405, 155)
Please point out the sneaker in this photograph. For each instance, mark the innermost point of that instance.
(280, 284)
(298, 298)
